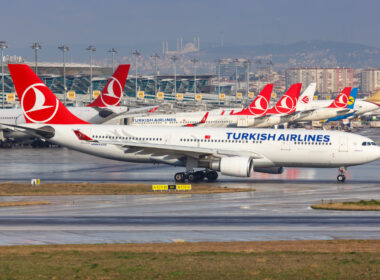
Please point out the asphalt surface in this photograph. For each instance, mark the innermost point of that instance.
(279, 209)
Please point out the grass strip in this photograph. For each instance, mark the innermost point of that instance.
(11, 188)
(350, 259)
(23, 203)
(362, 205)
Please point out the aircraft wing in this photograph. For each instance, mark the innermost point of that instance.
(303, 113)
(195, 152)
(344, 111)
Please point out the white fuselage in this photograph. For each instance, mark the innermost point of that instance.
(214, 119)
(322, 112)
(281, 148)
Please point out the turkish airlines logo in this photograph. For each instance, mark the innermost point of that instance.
(113, 93)
(287, 105)
(341, 101)
(305, 100)
(260, 106)
(38, 104)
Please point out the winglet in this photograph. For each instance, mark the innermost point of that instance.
(153, 110)
(113, 91)
(38, 102)
(204, 118)
(82, 136)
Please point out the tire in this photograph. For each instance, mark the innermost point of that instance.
(179, 177)
(212, 176)
(200, 175)
(341, 178)
(191, 177)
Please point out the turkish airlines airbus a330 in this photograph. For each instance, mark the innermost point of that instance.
(232, 151)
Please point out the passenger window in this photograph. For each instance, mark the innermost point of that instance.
(364, 144)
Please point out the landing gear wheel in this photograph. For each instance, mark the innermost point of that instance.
(200, 175)
(341, 178)
(194, 177)
(212, 176)
(180, 177)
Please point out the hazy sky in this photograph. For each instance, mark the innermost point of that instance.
(123, 22)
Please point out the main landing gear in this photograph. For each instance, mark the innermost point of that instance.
(341, 177)
(196, 176)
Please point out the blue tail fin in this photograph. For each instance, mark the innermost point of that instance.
(352, 98)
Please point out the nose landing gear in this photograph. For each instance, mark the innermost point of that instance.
(341, 177)
(196, 176)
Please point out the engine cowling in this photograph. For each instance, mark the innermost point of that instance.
(270, 170)
(234, 166)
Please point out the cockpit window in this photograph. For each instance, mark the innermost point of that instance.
(368, 144)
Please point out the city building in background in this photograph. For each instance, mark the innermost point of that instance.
(370, 80)
(329, 80)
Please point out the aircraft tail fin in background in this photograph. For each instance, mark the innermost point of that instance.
(38, 102)
(341, 100)
(352, 98)
(112, 93)
(287, 103)
(259, 106)
(375, 98)
(305, 100)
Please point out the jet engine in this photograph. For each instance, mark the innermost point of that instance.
(232, 166)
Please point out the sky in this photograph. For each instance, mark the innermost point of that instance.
(112, 23)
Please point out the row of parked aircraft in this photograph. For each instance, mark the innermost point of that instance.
(289, 109)
(203, 151)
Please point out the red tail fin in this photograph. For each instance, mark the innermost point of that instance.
(259, 106)
(287, 103)
(39, 104)
(113, 91)
(342, 99)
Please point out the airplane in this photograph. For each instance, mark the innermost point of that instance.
(215, 118)
(256, 115)
(104, 109)
(231, 151)
(316, 112)
(350, 105)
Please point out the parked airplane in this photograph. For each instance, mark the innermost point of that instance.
(101, 110)
(215, 118)
(234, 152)
(256, 115)
(350, 105)
(316, 113)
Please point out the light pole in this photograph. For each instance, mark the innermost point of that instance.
(3, 45)
(219, 61)
(194, 61)
(36, 46)
(64, 49)
(174, 59)
(236, 77)
(137, 54)
(155, 56)
(113, 52)
(247, 76)
(91, 49)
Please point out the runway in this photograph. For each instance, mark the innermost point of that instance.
(279, 209)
